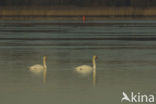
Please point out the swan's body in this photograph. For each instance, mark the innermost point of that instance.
(37, 68)
(86, 69)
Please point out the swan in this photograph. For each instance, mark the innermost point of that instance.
(86, 69)
(40, 68)
(37, 68)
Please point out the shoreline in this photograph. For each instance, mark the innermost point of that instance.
(56, 13)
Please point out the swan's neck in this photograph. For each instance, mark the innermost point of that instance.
(94, 64)
(44, 63)
(94, 71)
(45, 70)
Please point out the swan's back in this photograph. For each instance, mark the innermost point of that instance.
(36, 68)
(84, 69)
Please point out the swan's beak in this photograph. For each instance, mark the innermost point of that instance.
(95, 57)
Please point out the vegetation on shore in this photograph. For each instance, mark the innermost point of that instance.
(75, 9)
(54, 12)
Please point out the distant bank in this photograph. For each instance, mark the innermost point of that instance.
(7, 13)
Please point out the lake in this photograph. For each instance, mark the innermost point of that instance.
(126, 51)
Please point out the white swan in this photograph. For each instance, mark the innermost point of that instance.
(39, 68)
(86, 69)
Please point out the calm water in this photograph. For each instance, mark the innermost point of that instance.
(126, 53)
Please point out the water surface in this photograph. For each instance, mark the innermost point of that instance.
(126, 53)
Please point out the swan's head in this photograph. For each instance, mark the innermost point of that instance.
(94, 57)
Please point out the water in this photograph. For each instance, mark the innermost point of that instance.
(126, 53)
